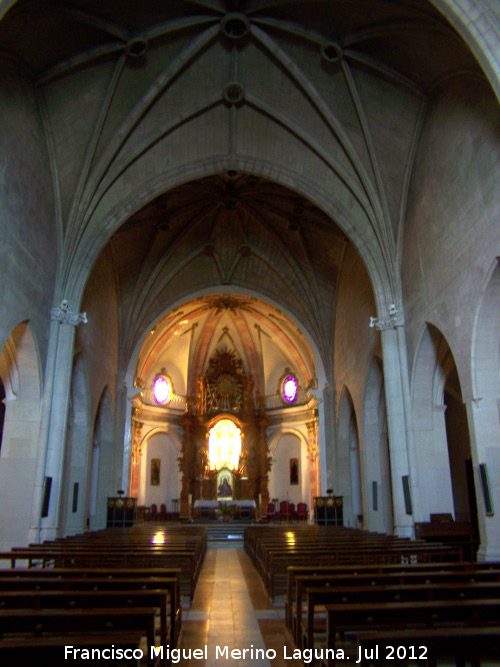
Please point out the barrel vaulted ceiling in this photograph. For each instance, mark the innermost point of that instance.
(335, 90)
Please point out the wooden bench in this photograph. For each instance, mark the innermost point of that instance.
(50, 650)
(31, 623)
(35, 582)
(99, 559)
(391, 616)
(422, 574)
(317, 597)
(471, 644)
(10, 600)
(276, 575)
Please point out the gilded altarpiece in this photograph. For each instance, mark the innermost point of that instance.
(225, 392)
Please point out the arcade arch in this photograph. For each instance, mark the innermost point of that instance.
(443, 446)
(228, 355)
(20, 379)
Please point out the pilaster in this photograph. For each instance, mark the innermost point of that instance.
(398, 417)
(54, 421)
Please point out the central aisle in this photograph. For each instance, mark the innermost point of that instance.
(232, 620)
(231, 608)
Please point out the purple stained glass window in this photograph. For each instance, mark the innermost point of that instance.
(162, 389)
(289, 389)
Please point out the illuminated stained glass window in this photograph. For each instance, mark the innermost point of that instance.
(289, 388)
(162, 389)
(224, 445)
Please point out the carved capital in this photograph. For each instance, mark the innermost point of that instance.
(393, 320)
(63, 315)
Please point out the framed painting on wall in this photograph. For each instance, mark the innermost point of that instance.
(155, 472)
(294, 471)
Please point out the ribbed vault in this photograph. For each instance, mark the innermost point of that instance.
(338, 100)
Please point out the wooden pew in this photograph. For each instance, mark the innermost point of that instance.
(381, 594)
(14, 600)
(279, 561)
(422, 574)
(60, 622)
(50, 650)
(465, 644)
(183, 547)
(341, 618)
(99, 559)
(74, 580)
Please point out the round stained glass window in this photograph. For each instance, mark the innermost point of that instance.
(289, 389)
(162, 389)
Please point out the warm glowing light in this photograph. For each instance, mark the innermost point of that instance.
(162, 389)
(159, 538)
(224, 445)
(289, 389)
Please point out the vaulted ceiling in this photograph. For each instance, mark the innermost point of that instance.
(407, 38)
(124, 85)
(221, 230)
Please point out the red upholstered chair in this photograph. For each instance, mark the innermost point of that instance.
(292, 514)
(302, 512)
(284, 511)
(271, 511)
(154, 512)
(163, 512)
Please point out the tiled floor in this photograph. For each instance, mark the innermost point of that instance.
(231, 609)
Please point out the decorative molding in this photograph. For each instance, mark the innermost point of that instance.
(393, 320)
(233, 93)
(312, 445)
(227, 302)
(63, 315)
(137, 442)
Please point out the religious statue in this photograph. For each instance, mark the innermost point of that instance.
(225, 490)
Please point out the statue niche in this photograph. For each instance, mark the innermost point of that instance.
(222, 408)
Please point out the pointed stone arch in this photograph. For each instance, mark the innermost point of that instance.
(484, 406)
(348, 480)
(21, 381)
(101, 463)
(442, 441)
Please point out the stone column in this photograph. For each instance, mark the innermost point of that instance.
(484, 428)
(54, 421)
(326, 437)
(398, 416)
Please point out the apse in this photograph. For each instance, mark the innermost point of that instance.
(223, 376)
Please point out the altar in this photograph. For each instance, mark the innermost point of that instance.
(210, 509)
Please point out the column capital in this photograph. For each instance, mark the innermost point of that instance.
(394, 319)
(64, 315)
